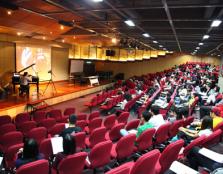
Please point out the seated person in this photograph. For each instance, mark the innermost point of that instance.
(188, 135)
(157, 119)
(69, 148)
(29, 153)
(144, 125)
(24, 83)
(72, 128)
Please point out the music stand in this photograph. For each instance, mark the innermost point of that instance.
(50, 82)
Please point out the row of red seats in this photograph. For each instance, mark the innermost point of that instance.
(98, 99)
(150, 163)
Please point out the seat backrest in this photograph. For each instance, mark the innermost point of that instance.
(145, 140)
(81, 116)
(174, 128)
(21, 118)
(170, 154)
(162, 132)
(10, 155)
(132, 124)
(36, 167)
(48, 123)
(39, 134)
(95, 123)
(69, 111)
(73, 164)
(5, 119)
(146, 163)
(82, 124)
(114, 133)
(123, 117)
(56, 129)
(212, 139)
(123, 169)
(100, 154)
(93, 115)
(80, 140)
(188, 121)
(10, 127)
(196, 142)
(12, 138)
(39, 116)
(46, 148)
(109, 121)
(94, 101)
(125, 146)
(97, 136)
(55, 113)
(25, 127)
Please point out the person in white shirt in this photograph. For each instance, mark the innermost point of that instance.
(157, 119)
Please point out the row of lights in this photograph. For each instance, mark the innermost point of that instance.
(132, 24)
(215, 23)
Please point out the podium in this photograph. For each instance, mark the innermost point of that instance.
(93, 80)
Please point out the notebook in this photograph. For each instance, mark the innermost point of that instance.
(57, 144)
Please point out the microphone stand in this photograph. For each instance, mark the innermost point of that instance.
(50, 82)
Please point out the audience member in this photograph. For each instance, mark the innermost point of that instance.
(29, 153)
(72, 128)
(69, 148)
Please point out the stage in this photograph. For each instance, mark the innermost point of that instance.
(13, 104)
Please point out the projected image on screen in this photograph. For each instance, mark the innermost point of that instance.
(27, 55)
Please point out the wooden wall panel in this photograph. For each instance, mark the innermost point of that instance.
(7, 56)
(60, 63)
(152, 65)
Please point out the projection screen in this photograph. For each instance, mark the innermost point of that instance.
(37, 54)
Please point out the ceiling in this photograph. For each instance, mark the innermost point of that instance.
(177, 25)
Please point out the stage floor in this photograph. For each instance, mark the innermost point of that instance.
(62, 88)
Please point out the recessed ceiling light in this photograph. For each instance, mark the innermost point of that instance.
(44, 37)
(97, 0)
(130, 23)
(160, 46)
(74, 37)
(61, 27)
(219, 55)
(216, 23)
(197, 48)
(18, 33)
(155, 41)
(201, 43)
(206, 36)
(51, 32)
(63, 40)
(9, 12)
(146, 35)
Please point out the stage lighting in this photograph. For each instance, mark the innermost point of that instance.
(206, 36)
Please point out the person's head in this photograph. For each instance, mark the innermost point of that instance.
(217, 89)
(72, 119)
(69, 144)
(30, 149)
(146, 116)
(207, 123)
(155, 110)
(25, 74)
